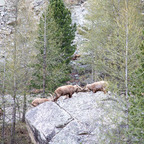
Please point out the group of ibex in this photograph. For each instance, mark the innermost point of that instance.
(70, 89)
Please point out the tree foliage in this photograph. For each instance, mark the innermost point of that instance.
(17, 57)
(62, 17)
(49, 59)
(106, 39)
(113, 34)
(137, 101)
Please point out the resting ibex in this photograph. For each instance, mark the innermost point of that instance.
(67, 90)
(38, 101)
(97, 86)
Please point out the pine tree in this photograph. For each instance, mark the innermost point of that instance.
(62, 17)
(49, 70)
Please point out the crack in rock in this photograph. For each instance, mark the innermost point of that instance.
(74, 118)
(62, 126)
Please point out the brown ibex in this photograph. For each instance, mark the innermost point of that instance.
(97, 86)
(38, 101)
(67, 90)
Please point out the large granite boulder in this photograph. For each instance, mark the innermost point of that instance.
(86, 118)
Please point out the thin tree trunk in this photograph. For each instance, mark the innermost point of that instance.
(14, 82)
(95, 76)
(13, 120)
(24, 107)
(126, 53)
(126, 66)
(118, 67)
(18, 108)
(14, 101)
(44, 58)
(3, 103)
(24, 98)
(3, 88)
(92, 73)
(3, 117)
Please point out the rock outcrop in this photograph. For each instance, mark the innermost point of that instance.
(85, 118)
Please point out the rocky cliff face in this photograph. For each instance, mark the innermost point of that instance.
(7, 16)
(85, 118)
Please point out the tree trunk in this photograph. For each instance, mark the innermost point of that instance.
(13, 121)
(3, 88)
(24, 107)
(126, 67)
(92, 73)
(44, 58)
(3, 104)
(14, 78)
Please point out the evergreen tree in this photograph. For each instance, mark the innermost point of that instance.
(62, 17)
(107, 40)
(49, 70)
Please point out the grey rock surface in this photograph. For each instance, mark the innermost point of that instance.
(85, 118)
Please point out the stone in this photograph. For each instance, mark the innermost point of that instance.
(80, 119)
(47, 123)
(5, 31)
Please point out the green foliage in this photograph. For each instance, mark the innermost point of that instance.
(137, 102)
(55, 68)
(62, 17)
(106, 40)
(112, 48)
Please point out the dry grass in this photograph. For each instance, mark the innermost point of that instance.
(21, 134)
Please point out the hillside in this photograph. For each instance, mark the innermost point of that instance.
(46, 44)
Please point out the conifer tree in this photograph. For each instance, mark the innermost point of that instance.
(49, 70)
(112, 44)
(106, 39)
(62, 17)
(16, 58)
